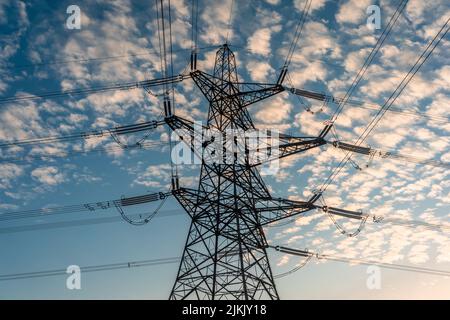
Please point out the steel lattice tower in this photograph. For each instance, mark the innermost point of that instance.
(225, 253)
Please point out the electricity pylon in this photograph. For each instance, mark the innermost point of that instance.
(225, 252)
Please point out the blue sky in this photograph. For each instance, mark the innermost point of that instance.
(333, 46)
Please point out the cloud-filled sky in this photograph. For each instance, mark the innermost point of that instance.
(118, 43)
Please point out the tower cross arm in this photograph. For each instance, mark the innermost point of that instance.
(273, 147)
(283, 146)
(276, 209)
(253, 92)
(213, 88)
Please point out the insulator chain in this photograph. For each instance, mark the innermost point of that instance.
(138, 143)
(341, 228)
(118, 204)
(295, 269)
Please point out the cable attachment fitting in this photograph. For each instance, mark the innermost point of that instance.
(175, 183)
(317, 194)
(357, 215)
(377, 219)
(328, 125)
(193, 60)
(167, 107)
(282, 75)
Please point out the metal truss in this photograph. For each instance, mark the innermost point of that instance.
(225, 251)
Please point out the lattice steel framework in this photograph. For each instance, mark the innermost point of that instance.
(225, 252)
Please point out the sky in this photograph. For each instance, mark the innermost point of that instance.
(35, 45)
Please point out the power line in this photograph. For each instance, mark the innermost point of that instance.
(92, 268)
(385, 154)
(363, 217)
(354, 102)
(376, 219)
(309, 254)
(81, 222)
(194, 34)
(73, 153)
(171, 45)
(297, 34)
(112, 87)
(141, 219)
(315, 95)
(412, 72)
(169, 100)
(400, 111)
(412, 223)
(401, 6)
(250, 51)
(229, 20)
(396, 93)
(114, 132)
(293, 270)
(89, 207)
(196, 25)
(161, 59)
(87, 60)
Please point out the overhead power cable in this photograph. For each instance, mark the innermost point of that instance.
(141, 216)
(90, 207)
(297, 34)
(92, 268)
(293, 270)
(141, 219)
(87, 60)
(363, 217)
(309, 94)
(171, 43)
(116, 131)
(391, 100)
(112, 87)
(407, 79)
(194, 34)
(385, 154)
(113, 149)
(412, 223)
(82, 222)
(387, 30)
(308, 254)
(230, 17)
(169, 100)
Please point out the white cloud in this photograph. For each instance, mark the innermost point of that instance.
(214, 19)
(315, 4)
(352, 11)
(9, 172)
(48, 175)
(259, 71)
(283, 260)
(273, 111)
(354, 60)
(21, 121)
(155, 176)
(314, 71)
(259, 42)
(317, 41)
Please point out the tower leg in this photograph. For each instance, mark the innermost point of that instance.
(225, 252)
